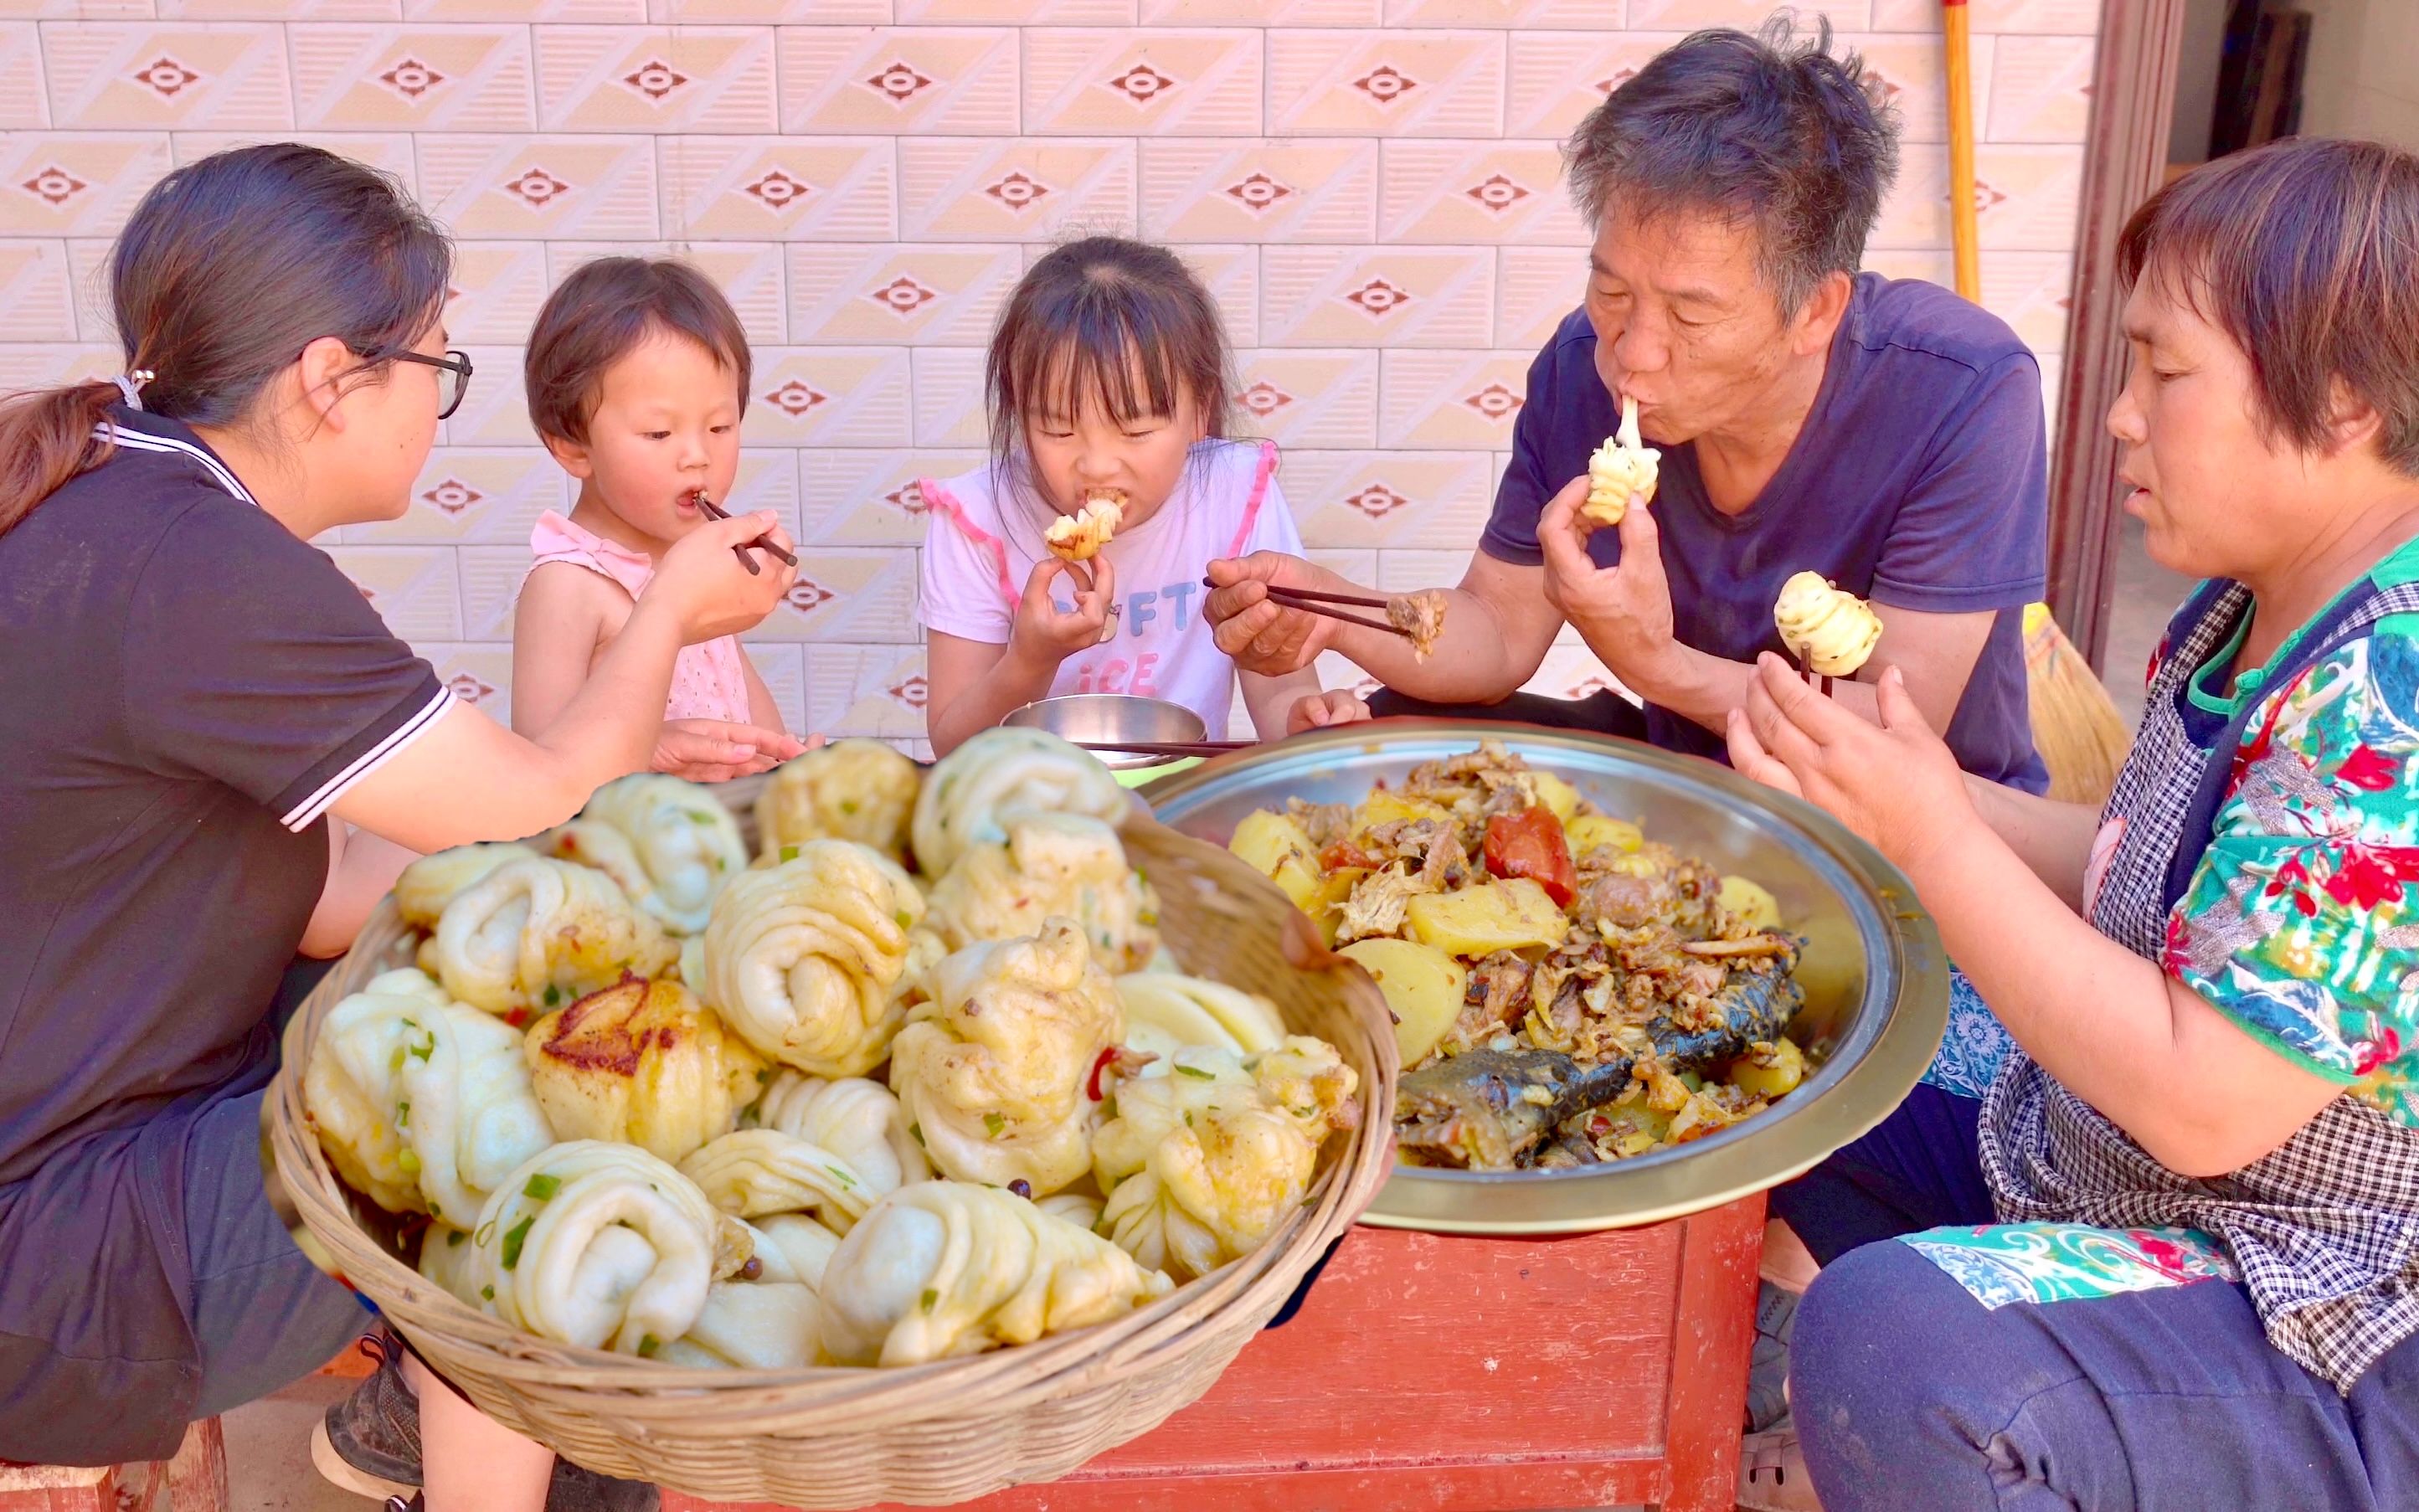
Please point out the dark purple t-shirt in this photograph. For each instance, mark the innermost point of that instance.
(1920, 481)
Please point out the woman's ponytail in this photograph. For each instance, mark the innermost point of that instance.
(230, 268)
(47, 437)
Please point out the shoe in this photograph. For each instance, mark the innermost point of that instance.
(369, 1444)
(1772, 1475)
(1767, 1371)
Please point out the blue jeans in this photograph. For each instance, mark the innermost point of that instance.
(1910, 1395)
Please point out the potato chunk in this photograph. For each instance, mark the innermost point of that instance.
(1511, 914)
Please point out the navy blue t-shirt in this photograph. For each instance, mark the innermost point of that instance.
(1919, 480)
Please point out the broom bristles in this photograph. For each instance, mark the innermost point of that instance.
(2082, 738)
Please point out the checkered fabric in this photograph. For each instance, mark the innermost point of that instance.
(2326, 1227)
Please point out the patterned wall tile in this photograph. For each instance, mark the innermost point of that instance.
(953, 189)
(1464, 192)
(443, 78)
(1507, 13)
(389, 153)
(2039, 89)
(768, 479)
(1202, 189)
(784, 671)
(916, 293)
(1385, 296)
(1746, 15)
(1379, 499)
(1309, 398)
(1260, 12)
(592, 12)
(829, 396)
(1158, 80)
(2073, 18)
(41, 364)
(412, 587)
(1407, 572)
(1232, 276)
(496, 410)
(2030, 291)
(1557, 77)
(647, 79)
(2028, 197)
(1409, 84)
(1535, 288)
(773, 12)
(602, 188)
(788, 188)
(23, 103)
(89, 289)
(278, 10)
(491, 578)
(472, 496)
(750, 273)
(497, 288)
(76, 9)
(35, 290)
(864, 690)
(1016, 12)
(903, 81)
(84, 184)
(1908, 74)
(125, 76)
(870, 498)
(854, 595)
(1451, 401)
(1571, 670)
(481, 676)
(949, 397)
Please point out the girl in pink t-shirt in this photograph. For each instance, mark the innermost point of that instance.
(1107, 375)
(637, 374)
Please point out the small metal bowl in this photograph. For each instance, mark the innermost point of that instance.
(1105, 719)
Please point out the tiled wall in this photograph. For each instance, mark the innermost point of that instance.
(1369, 186)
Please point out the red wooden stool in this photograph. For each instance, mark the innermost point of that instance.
(197, 1480)
(1464, 1375)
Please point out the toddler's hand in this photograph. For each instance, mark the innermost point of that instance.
(717, 750)
(1314, 711)
(1045, 637)
(705, 588)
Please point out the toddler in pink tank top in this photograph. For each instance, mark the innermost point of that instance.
(637, 373)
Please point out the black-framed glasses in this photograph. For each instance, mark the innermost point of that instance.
(455, 362)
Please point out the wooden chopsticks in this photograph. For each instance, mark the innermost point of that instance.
(762, 543)
(1313, 601)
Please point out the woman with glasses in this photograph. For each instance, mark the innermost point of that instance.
(214, 754)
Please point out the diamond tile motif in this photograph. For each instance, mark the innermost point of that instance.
(794, 398)
(655, 79)
(54, 185)
(166, 77)
(902, 296)
(1017, 192)
(1142, 83)
(899, 84)
(1376, 297)
(1371, 190)
(777, 190)
(411, 78)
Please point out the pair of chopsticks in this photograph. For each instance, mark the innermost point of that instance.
(762, 543)
(1165, 747)
(1311, 601)
(1819, 682)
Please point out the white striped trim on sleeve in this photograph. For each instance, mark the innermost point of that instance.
(307, 812)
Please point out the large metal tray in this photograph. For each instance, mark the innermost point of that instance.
(1877, 982)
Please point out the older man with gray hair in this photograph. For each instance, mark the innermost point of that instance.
(1887, 435)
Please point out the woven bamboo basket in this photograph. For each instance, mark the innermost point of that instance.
(926, 1435)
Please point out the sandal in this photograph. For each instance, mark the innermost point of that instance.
(1772, 1475)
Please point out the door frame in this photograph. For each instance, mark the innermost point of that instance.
(2124, 161)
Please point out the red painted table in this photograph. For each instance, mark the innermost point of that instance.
(1463, 1375)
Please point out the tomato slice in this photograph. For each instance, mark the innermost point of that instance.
(1344, 855)
(1531, 844)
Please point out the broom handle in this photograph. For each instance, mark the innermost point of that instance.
(1956, 33)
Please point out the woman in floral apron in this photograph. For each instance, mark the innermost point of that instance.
(2171, 1259)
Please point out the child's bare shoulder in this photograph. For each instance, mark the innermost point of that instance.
(564, 596)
